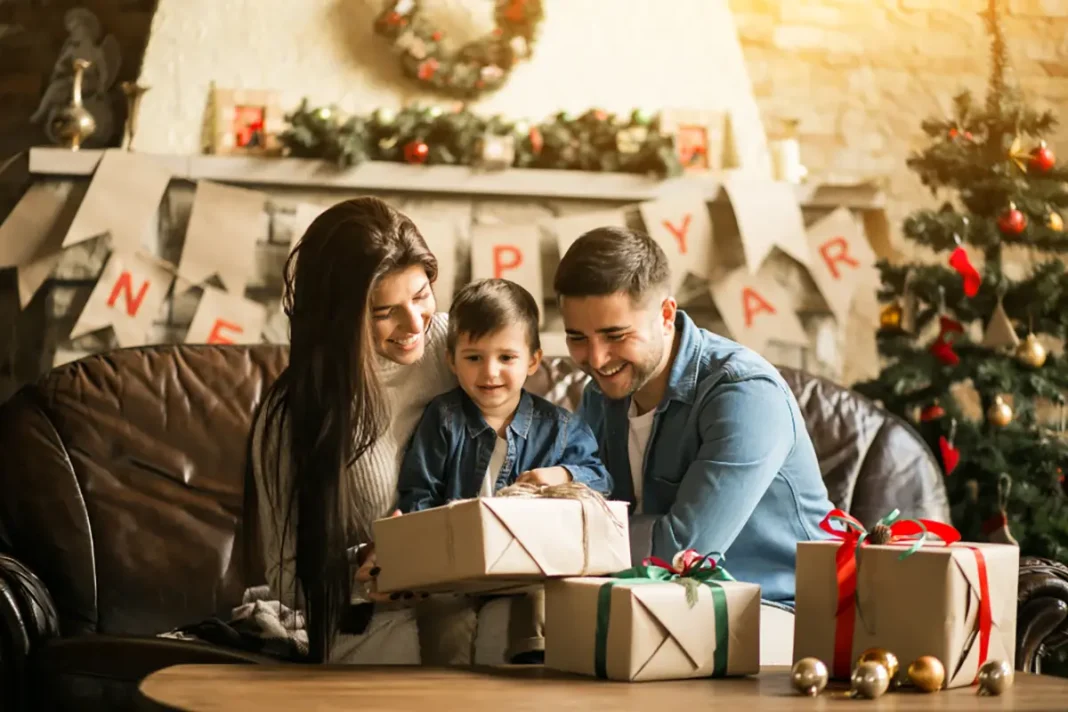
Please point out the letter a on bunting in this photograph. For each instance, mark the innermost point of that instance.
(757, 310)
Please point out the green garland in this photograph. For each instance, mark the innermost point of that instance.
(477, 68)
(593, 141)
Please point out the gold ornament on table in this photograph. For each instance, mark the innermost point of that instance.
(995, 676)
(927, 673)
(882, 656)
(133, 92)
(999, 413)
(1031, 353)
(809, 676)
(73, 123)
(869, 680)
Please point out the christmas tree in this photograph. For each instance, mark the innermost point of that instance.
(965, 338)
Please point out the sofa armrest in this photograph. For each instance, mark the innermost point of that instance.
(1042, 611)
(27, 616)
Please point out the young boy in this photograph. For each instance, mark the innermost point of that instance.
(487, 434)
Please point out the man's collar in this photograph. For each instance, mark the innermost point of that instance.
(685, 366)
(520, 425)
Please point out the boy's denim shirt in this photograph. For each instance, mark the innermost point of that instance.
(451, 448)
(729, 468)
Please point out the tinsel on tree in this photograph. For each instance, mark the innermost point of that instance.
(976, 323)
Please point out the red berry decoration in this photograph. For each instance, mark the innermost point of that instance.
(416, 152)
(1042, 158)
(1012, 221)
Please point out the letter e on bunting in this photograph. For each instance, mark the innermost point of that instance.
(841, 256)
(511, 252)
(757, 310)
(768, 216)
(224, 318)
(682, 227)
(127, 296)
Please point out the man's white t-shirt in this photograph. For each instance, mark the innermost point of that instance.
(496, 462)
(641, 426)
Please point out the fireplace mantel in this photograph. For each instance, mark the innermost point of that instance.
(388, 176)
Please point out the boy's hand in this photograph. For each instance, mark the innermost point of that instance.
(546, 476)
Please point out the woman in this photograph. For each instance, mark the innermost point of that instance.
(366, 356)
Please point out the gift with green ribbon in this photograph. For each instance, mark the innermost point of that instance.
(656, 621)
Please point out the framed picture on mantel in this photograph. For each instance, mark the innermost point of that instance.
(246, 122)
(701, 137)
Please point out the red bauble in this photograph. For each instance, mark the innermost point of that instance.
(932, 412)
(1042, 158)
(416, 152)
(1012, 221)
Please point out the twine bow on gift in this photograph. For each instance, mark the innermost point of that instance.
(893, 531)
(690, 570)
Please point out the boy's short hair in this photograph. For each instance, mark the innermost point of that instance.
(609, 260)
(487, 305)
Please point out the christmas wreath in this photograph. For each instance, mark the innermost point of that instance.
(479, 67)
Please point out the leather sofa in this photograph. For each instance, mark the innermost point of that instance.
(122, 492)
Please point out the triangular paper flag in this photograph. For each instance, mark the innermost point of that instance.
(31, 238)
(122, 200)
(757, 310)
(511, 252)
(1000, 332)
(440, 236)
(224, 318)
(768, 216)
(565, 229)
(841, 258)
(224, 225)
(682, 227)
(127, 296)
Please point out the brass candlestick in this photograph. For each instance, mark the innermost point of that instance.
(73, 123)
(133, 92)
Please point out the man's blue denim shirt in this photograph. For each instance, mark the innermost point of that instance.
(729, 467)
(451, 448)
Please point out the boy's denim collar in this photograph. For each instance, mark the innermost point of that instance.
(520, 425)
(685, 367)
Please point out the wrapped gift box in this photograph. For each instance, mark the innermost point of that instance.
(500, 542)
(640, 630)
(947, 601)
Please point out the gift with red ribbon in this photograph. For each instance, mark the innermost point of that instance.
(658, 621)
(909, 586)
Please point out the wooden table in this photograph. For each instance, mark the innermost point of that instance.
(203, 688)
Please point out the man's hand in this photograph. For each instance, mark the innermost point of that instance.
(546, 476)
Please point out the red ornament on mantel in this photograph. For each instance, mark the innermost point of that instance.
(1012, 221)
(1042, 158)
(416, 152)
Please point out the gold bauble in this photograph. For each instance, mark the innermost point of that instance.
(890, 316)
(927, 673)
(882, 656)
(995, 676)
(1055, 222)
(809, 676)
(1030, 352)
(869, 680)
(1000, 413)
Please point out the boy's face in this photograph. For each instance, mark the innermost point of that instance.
(493, 369)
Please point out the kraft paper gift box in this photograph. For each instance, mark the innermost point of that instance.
(496, 543)
(956, 602)
(640, 630)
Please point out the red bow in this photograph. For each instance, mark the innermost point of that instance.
(683, 563)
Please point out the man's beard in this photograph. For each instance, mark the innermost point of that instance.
(641, 371)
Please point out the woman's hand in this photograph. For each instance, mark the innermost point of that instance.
(367, 575)
(546, 476)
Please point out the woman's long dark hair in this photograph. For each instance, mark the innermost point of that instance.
(328, 396)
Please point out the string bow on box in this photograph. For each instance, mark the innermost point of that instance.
(687, 568)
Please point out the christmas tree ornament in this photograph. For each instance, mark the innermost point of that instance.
(1031, 352)
(1012, 222)
(869, 680)
(1017, 154)
(942, 346)
(882, 656)
(999, 413)
(932, 412)
(959, 261)
(996, 528)
(890, 317)
(927, 673)
(1000, 333)
(495, 153)
(949, 452)
(641, 117)
(1042, 158)
(1055, 222)
(995, 677)
(384, 116)
(416, 152)
(809, 676)
(910, 304)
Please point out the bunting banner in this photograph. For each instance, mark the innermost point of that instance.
(127, 296)
(31, 239)
(511, 252)
(440, 236)
(122, 201)
(683, 229)
(565, 229)
(220, 240)
(768, 216)
(841, 258)
(225, 318)
(757, 310)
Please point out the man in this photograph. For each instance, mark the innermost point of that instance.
(700, 434)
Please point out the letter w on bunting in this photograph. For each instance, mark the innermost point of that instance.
(842, 258)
